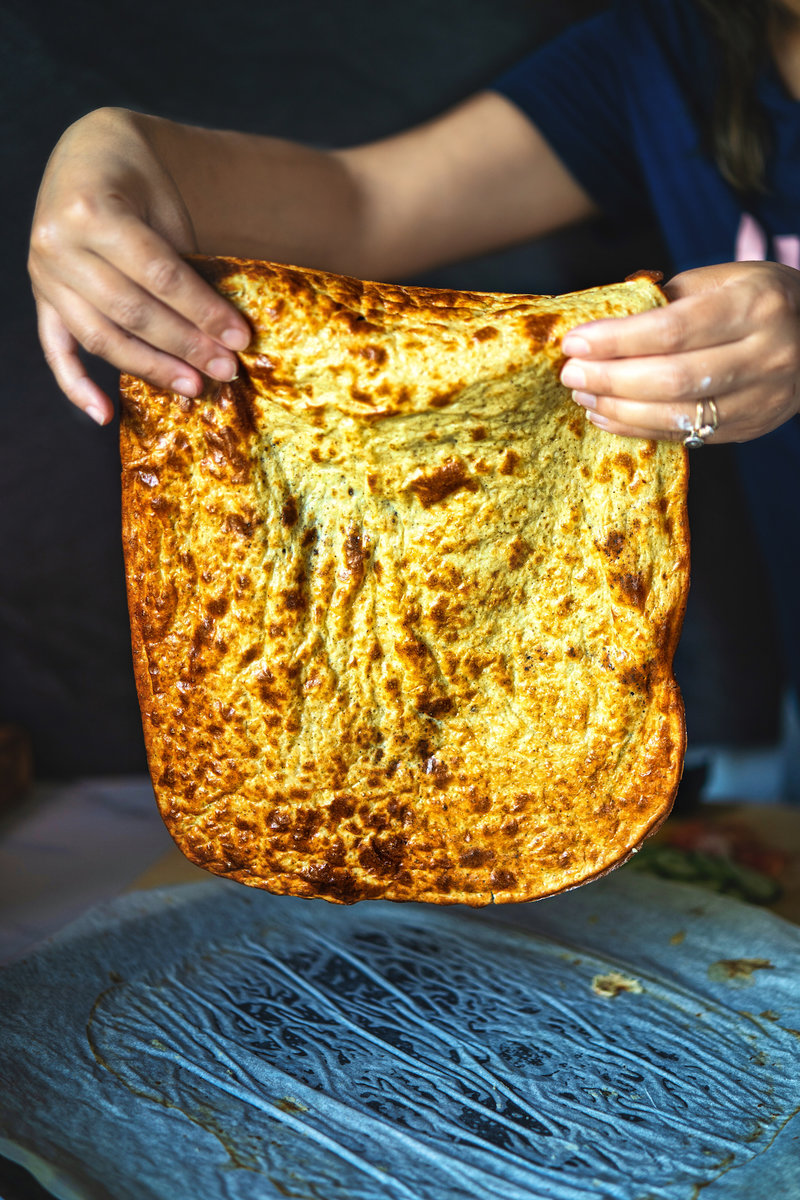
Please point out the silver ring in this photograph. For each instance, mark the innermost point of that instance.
(702, 429)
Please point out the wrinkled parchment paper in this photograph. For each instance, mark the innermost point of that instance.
(632, 1039)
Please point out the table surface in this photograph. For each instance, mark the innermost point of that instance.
(85, 843)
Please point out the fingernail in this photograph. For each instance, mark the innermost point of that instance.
(235, 339)
(96, 414)
(599, 421)
(574, 346)
(573, 376)
(585, 399)
(223, 368)
(184, 386)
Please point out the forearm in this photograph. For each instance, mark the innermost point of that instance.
(472, 180)
(262, 197)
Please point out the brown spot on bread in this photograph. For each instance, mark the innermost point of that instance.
(518, 553)
(502, 880)
(476, 857)
(295, 599)
(634, 586)
(374, 354)
(439, 771)
(218, 607)
(540, 326)
(361, 396)
(289, 512)
(354, 555)
(637, 678)
(357, 323)
(225, 453)
(614, 543)
(342, 807)
(235, 523)
(439, 611)
(436, 707)
(451, 477)
(509, 462)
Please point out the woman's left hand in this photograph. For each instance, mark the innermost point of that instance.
(731, 335)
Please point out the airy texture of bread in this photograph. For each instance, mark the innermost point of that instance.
(403, 619)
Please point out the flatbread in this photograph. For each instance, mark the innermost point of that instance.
(402, 618)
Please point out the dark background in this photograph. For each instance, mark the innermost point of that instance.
(328, 74)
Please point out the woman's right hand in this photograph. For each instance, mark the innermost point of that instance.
(105, 261)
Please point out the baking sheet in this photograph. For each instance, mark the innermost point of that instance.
(631, 1040)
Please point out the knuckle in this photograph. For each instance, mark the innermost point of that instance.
(82, 209)
(130, 312)
(677, 380)
(163, 276)
(157, 369)
(195, 349)
(46, 240)
(768, 305)
(679, 421)
(781, 404)
(785, 357)
(52, 358)
(600, 381)
(609, 408)
(95, 342)
(209, 316)
(673, 331)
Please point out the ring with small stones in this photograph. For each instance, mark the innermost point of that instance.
(702, 428)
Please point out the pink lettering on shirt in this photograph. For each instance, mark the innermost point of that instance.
(751, 244)
(751, 241)
(787, 250)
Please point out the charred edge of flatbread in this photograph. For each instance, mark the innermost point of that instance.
(222, 272)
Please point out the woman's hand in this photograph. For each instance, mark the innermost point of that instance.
(108, 234)
(731, 334)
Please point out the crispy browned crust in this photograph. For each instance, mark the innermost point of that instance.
(403, 620)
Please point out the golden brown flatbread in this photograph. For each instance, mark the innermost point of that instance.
(403, 619)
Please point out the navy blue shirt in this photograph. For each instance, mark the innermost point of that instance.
(623, 99)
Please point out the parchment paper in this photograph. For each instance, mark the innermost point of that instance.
(631, 1040)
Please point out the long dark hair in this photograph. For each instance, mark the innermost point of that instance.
(738, 134)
